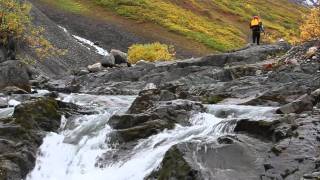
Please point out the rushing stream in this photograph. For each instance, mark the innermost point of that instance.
(72, 154)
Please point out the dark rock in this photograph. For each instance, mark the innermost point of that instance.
(21, 135)
(130, 120)
(225, 140)
(62, 85)
(3, 56)
(119, 56)
(38, 114)
(249, 55)
(261, 129)
(108, 61)
(174, 166)
(166, 95)
(141, 131)
(144, 101)
(200, 160)
(156, 118)
(14, 73)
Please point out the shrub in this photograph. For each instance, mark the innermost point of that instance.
(310, 29)
(150, 52)
(15, 21)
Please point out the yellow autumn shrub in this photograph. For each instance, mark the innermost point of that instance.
(15, 20)
(310, 29)
(150, 52)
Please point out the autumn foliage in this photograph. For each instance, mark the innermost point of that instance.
(310, 29)
(15, 21)
(150, 52)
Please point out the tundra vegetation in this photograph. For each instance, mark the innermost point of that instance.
(16, 22)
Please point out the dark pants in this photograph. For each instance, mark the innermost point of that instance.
(256, 37)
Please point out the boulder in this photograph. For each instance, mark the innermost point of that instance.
(261, 129)
(240, 159)
(144, 101)
(108, 61)
(14, 73)
(311, 52)
(13, 90)
(160, 116)
(39, 114)
(175, 166)
(95, 67)
(22, 134)
(304, 103)
(119, 56)
(152, 111)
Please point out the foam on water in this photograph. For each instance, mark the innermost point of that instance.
(72, 154)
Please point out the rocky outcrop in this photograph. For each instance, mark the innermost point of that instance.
(21, 135)
(239, 159)
(304, 103)
(175, 166)
(14, 73)
(149, 115)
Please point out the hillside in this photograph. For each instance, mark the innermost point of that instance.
(218, 25)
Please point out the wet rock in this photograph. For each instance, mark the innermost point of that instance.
(261, 129)
(315, 175)
(108, 61)
(14, 73)
(95, 67)
(174, 166)
(21, 135)
(156, 118)
(200, 160)
(144, 101)
(130, 120)
(141, 131)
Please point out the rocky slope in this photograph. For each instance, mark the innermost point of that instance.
(283, 147)
(205, 26)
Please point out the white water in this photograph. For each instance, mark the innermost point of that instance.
(72, 154)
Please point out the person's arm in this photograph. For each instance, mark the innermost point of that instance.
(261, 27)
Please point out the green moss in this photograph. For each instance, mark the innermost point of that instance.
(68, 5)
(212, 99)
(41, 113)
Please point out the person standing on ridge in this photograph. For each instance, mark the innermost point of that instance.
(256, 27)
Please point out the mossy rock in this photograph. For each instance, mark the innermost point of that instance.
(41, 113)
(174, 166)
(214, 99)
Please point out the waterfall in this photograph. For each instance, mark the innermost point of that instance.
(72, 153)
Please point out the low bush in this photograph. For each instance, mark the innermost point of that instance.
(15, 23)
(310, 29)
(150, 52)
